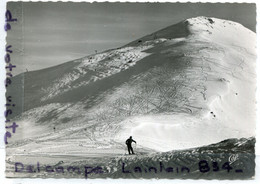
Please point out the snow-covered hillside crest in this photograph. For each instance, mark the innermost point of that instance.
(223, 31)
(211, 29)
(188, 85)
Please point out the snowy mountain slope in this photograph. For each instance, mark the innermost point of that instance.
(191, 81)
(180, 30)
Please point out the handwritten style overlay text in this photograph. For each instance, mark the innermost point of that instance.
(10, 126)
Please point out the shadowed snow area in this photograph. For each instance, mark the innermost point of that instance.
(188, 85)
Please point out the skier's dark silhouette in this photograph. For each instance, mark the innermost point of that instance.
(129, 146)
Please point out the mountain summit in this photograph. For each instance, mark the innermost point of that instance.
(188, 85)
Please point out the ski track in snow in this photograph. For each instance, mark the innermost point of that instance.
(103, 65)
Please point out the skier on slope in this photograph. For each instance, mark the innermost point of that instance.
(129, 146)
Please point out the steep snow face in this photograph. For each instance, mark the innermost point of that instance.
(223, 78)
(188, 85)
(99, 66)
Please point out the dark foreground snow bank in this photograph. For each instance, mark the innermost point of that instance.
(229, 159)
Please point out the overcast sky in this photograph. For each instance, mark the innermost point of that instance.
(48, 34)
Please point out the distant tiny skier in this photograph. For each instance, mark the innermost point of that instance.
(129, 146)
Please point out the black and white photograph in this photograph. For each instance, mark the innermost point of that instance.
(130, 90)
